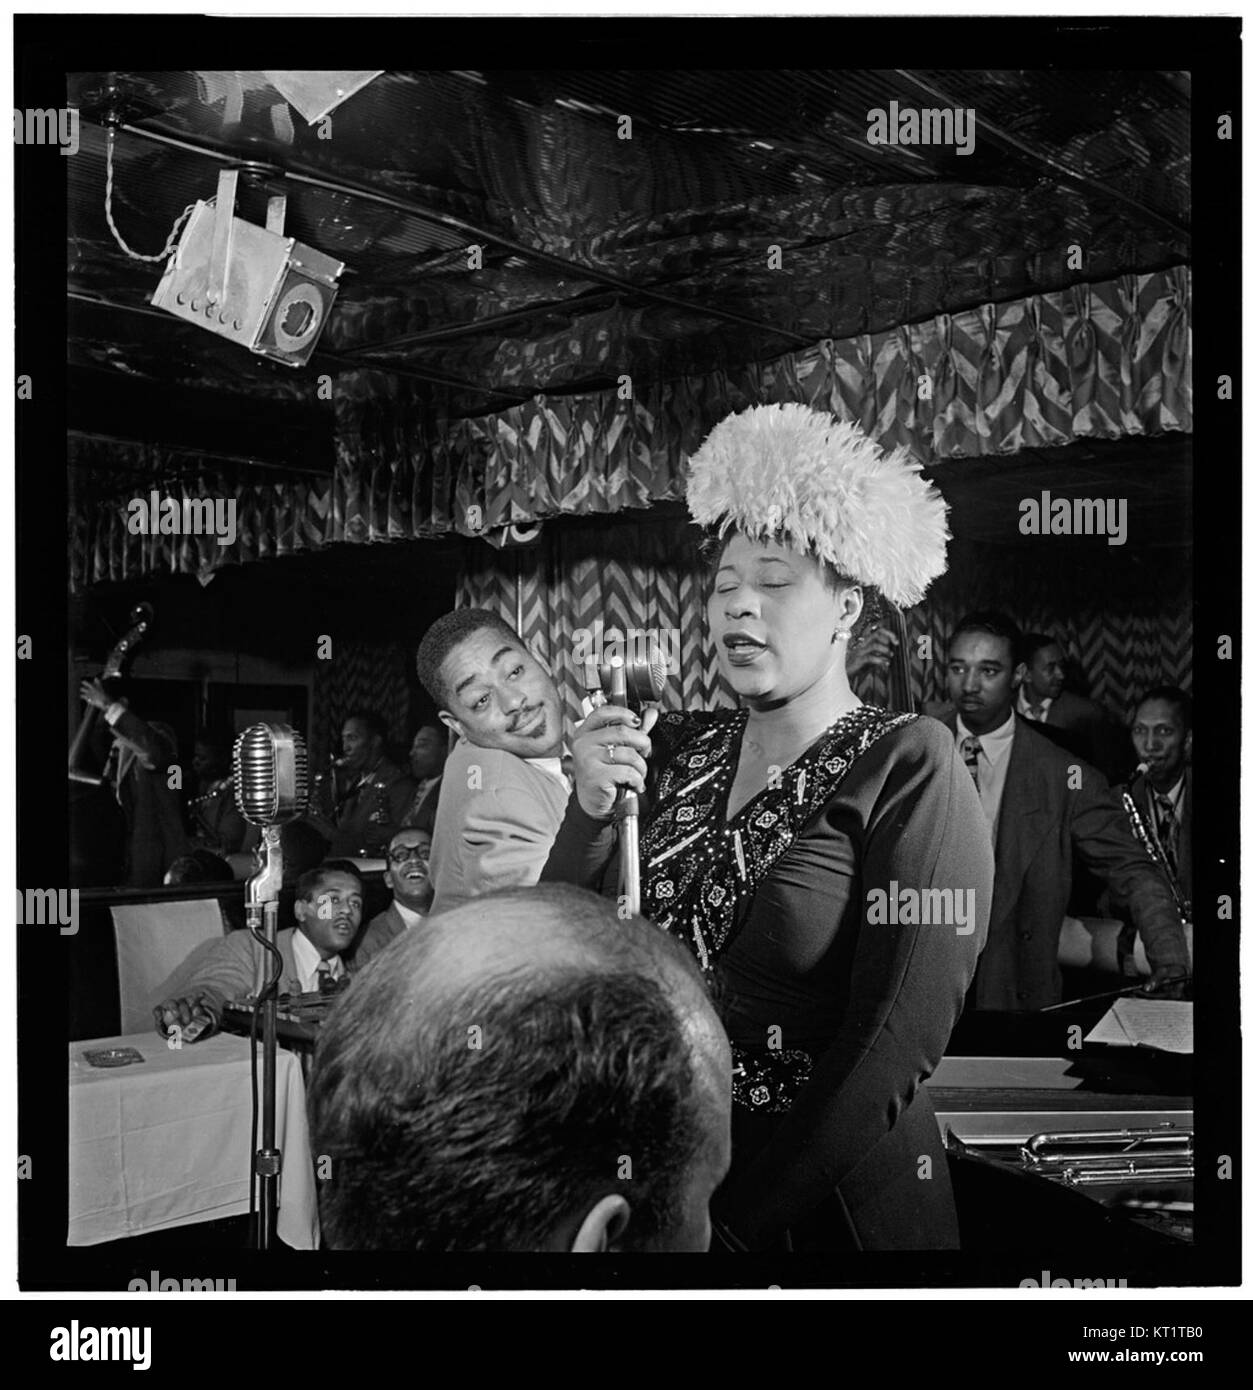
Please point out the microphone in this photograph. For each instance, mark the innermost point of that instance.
(271, 767)
(633, 681)
(1141, 769)
(630, 683)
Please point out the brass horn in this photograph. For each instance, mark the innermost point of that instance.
(1106, 1157)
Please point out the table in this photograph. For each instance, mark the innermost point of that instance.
(165, 1142)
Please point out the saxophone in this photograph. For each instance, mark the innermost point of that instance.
(1153, 848)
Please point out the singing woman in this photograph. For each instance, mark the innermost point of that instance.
(791, 843)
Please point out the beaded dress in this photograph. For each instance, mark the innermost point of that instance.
(835, 1017)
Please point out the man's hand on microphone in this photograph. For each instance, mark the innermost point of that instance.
(610, 750)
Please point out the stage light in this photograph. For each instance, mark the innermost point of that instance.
(250, 284)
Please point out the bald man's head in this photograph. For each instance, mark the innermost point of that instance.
(525, 1072)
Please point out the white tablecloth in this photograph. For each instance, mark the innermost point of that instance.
(165, 1142)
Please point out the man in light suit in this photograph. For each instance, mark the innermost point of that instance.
(503, 793)
(328, 916)
(409, 877)
(1046, 809)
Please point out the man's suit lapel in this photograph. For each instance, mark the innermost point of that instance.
(1008, 877)
(1023, 811)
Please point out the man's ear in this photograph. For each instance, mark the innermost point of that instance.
(449, 722)
(603, 1227)
(1020, 675)
(301, 909)
(1187, 746)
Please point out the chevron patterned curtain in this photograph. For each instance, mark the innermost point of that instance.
(1122, 633)
(1093, 360)
(358, 677)
(647, 574)
(634, 575)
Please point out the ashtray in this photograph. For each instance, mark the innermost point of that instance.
(113, 1057)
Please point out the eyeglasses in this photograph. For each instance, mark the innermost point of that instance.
(400, 853)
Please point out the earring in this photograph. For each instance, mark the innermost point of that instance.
(840, 635)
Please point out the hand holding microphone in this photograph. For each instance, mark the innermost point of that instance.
(611, 750)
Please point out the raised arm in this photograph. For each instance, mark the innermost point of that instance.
(584, 849)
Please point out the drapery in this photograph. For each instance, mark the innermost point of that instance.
(1097, 361)
(649, 576)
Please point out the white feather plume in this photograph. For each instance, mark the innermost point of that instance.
(829, 489)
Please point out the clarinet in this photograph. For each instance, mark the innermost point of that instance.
(1153, 849)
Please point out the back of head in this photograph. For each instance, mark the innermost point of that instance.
(199, 866)
(446, 633)
(510, 1064)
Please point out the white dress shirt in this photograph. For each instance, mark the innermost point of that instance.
(553, 767)
(994, 750)
(308, 958)
(1025, 707)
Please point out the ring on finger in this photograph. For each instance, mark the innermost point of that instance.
(613, 751)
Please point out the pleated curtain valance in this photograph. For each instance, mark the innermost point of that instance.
(1095, 361)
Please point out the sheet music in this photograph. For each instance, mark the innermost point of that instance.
(1165, 1024)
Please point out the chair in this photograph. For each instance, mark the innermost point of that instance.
(153, 940)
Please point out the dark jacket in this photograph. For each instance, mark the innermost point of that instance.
(368, 817)
(1084, 727)
(1046, 825)
(1140, 794)
(380, 931)
(154, 818)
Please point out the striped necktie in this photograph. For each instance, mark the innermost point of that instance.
(1167, 826)
(971, 748)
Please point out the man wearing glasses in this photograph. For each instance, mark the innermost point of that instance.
(408, 876)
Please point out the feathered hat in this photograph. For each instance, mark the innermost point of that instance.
(827, 488)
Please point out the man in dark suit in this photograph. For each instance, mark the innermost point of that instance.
(371, 794)
(138, 769)
(1075, 723)
(1046, 809)
(427, 755)
(1162, 793)
(409, 877)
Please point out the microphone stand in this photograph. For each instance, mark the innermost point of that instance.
(627, 810)
(262, 899)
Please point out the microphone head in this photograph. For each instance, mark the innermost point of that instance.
(1141, 769)
(271, 770)
(641, 676)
